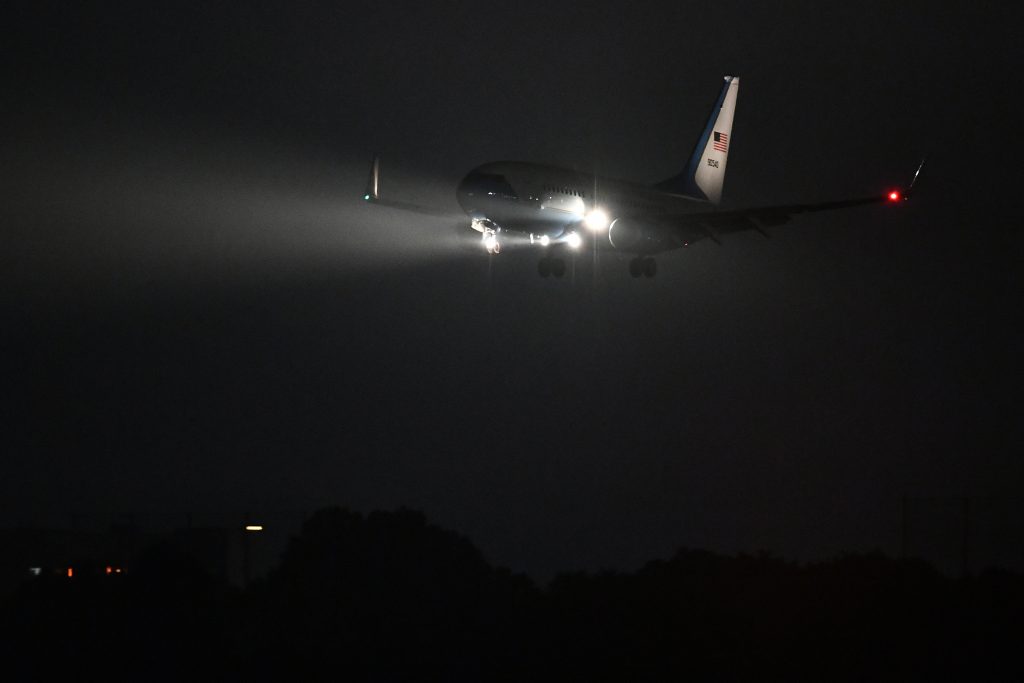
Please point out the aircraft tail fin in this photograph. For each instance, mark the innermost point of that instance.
(704, 175)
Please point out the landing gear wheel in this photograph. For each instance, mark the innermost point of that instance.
(544, 267)
(636, 266)
(650, 266)
(491, 242)
(557, 267)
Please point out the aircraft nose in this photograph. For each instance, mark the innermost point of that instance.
(478, 182)
(465, 191)
(483, 189)
(465, 185)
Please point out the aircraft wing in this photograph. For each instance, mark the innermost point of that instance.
(713, 223)
(672, 230)
(373, 196)
(408, 206)
(758, 218)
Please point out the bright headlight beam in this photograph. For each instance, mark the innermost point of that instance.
(596, 220)
(574, 240)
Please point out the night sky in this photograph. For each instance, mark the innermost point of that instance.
(200, 317)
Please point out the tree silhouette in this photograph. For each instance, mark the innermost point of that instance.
(389, 597)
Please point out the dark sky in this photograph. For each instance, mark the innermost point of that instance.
(199, 316)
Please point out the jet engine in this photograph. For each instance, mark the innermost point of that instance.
(635, 236)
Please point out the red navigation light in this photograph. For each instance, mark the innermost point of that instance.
(894, 196)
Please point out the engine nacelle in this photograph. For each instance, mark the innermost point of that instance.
(637, 236)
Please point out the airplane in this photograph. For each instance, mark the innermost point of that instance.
(558, 210)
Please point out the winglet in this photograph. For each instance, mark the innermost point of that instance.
(901, 195)
(372, 193)
(916, 173)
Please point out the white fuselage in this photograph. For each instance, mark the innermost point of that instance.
(533, 201)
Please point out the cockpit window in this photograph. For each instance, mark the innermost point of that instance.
(490, 184)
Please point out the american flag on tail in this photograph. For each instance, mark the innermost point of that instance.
(721, 141)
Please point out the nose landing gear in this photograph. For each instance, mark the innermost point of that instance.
(490, 240)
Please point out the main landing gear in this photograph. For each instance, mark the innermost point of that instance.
(643, 265)
(550, 265)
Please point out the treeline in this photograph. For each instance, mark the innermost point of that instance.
(389, 597)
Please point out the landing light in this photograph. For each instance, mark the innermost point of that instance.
(574, 240)
(596, 220)
(544, 240)
(490, 242)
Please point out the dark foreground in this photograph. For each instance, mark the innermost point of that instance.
(389, 597)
